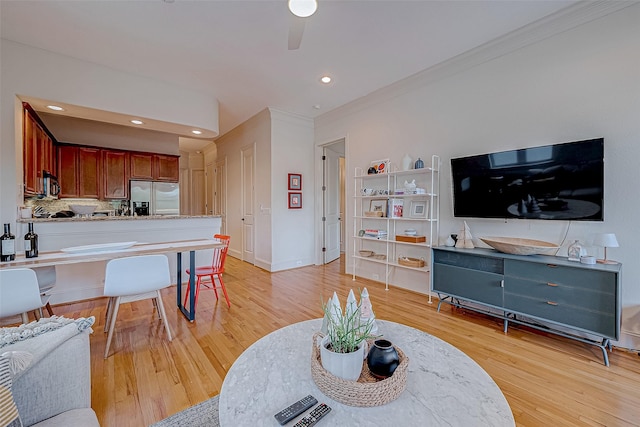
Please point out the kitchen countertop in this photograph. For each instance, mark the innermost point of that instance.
(113, 218)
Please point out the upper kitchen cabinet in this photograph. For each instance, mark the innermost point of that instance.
(141, 166)
(166, 168)
(79, 171)
(38, 152)
(154, 167)
(115, 166)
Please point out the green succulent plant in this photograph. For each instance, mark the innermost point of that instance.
(345, 331)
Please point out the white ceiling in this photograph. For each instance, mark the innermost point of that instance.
(236, 50)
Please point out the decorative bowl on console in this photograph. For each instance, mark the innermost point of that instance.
(517, 246)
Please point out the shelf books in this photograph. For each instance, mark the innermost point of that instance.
(395, 208)
(376, 234)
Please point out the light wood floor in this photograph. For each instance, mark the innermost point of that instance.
(547, 380)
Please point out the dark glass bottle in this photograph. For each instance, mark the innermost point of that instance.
(30, 243)
(8, 245)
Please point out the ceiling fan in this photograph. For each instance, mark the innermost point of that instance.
(300, 11)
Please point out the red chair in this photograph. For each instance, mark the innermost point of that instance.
(214, 270)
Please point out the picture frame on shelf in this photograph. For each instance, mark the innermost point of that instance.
(295, 200)
(419, 209)
(378, 205)
(380, 166)
(295, 181)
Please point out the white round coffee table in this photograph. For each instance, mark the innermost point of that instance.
(444, 386)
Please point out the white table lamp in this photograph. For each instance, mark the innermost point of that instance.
(606, 240)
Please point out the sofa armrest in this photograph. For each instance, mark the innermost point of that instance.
(59, 382)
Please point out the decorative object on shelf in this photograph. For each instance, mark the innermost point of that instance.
(378, 205)
(517, 246)
(397, 205)
(367, 191)
(454, 237)
(295, 200)
(606, 240)
(450, 242)
(366, 253)
(381, 166)
(411, 262)
(382, 359)
(409, 187)
(374, 214)
(590, 260)
(419, 164)
(295, 181)
(419, 209)
(575, 251)
(372, 171)
(407, 162)
(465, 239)
(342, 350)
(411, 239)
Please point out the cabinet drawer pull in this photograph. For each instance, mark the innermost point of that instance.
(552, 265)
(552, 303)
(552, 284)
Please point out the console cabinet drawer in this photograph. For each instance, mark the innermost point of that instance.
(584, 278)
(559, 294)
(603, 324)
(471, 285)
(481, 263)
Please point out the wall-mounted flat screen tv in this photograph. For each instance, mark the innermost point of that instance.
(554, 182)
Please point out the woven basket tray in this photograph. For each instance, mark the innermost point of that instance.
(367, 390)
(411, 262)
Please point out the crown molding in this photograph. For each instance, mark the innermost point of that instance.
(566, 19)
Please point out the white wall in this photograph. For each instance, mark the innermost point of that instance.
(256, 130)
(291, 152)
(579, 84)
(41, 74)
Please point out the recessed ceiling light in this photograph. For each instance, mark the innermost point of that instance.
(303, 8)
(317, 106)
(196, 132)
(137, 122)
(55, 108)
(325, 79)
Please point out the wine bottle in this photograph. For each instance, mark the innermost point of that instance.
(30, 243)
(8, 245)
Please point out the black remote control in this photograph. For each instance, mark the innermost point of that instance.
(314, 416)
(287, 414)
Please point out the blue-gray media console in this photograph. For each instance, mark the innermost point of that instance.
(544, 292)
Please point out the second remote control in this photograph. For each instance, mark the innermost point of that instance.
(287, 414)
(314, 416)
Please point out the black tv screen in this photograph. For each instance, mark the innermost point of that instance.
(554, 182)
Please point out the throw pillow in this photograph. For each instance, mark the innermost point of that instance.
(9, 416)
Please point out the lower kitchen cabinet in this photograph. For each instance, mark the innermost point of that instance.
(543, 292)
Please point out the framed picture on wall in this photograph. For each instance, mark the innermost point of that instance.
(295, 200)
(378, 205)
(295, 181)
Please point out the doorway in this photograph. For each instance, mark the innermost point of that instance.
(248, 203)
(333, 200)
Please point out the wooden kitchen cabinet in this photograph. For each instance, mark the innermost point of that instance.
(141, 166)
(115, 167)
(38, 152)
(79, 171)
(68, 174)
(166, 168)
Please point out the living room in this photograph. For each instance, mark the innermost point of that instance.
(566, 85)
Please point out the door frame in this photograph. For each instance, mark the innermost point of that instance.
(253, 149)
(318, 194)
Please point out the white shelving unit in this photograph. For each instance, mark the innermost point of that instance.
(380, 192)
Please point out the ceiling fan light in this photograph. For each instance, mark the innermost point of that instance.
(303, 8)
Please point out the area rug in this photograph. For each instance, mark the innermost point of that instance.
(204, 414)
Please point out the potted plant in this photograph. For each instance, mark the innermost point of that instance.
(343, 349)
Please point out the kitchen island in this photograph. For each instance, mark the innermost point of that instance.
(84, 281)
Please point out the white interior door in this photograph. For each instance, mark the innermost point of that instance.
(248, 204)
(332, 214)
(219, 198)
(210, 180)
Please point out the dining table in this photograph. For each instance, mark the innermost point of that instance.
(109, 251)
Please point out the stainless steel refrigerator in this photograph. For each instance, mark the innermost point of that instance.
(162, 198)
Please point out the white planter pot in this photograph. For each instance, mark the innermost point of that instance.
(343, 365)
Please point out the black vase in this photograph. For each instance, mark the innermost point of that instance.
(382, 359)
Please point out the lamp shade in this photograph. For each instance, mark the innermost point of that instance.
(607, 240)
